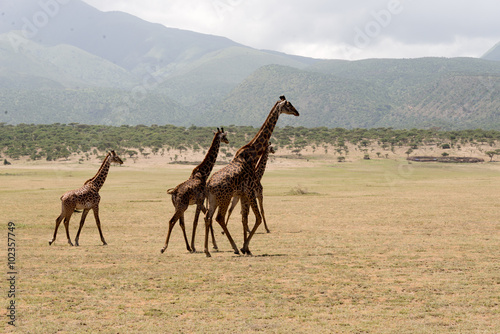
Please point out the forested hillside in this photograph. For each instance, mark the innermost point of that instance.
(418, 93)
(460, 93)
(88, 106)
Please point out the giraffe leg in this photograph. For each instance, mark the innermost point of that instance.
(82, 221)
(220, 219)
(181, 223)
(98, 222)
(213, 237)
(171, 224)
(208, 223)
(58, 222)
(234, 202)
(246, 216)
(258, 219)
(195, 225)
(211, 228)
(66, 226)
(261, 207)
(245, 209)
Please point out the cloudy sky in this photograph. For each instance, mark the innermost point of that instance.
(340, 29)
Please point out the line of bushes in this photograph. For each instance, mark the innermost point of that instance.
(56, 141)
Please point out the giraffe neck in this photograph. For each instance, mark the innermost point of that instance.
(99, 178)
(266, 130)
(206, 166)
(261, 165)
(252, 151)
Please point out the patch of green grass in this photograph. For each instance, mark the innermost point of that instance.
(299, 190)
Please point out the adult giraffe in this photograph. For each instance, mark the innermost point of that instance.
(259, 173)
(192, 191)
(238, 178)
(86, 197)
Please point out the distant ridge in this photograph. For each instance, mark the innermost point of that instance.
(457, 93)
(87, 66)
(493, 53)
(118, 37)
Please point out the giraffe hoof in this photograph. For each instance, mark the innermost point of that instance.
(246, 251)
(162, 250)
(208, 255)
(104, 243)
(50, 243)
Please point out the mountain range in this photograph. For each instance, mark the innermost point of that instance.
(63, 61)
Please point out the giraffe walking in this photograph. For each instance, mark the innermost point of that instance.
(192, 191)
(259, 172)
(87, 197)
(238, 178)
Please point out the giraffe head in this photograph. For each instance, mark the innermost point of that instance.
(222, 135)
(285, 107)
(114, 158)
(98, 180)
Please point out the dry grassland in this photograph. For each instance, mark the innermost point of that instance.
(379, 246)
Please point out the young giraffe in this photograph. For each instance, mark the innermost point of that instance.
(259, 172)
(238, 178)
(87, 197)
(192, 191)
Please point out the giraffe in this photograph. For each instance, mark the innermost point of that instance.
(259, 172)
(86, 197)
(192, 191)
(238, 178)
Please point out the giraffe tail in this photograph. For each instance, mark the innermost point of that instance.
(172, 190)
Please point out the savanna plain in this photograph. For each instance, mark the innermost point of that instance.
(369, 246)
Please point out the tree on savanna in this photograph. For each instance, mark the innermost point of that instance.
(491, 154)
(131, 153)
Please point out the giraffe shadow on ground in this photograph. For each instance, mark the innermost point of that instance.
(242, 255)
(271, 255)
